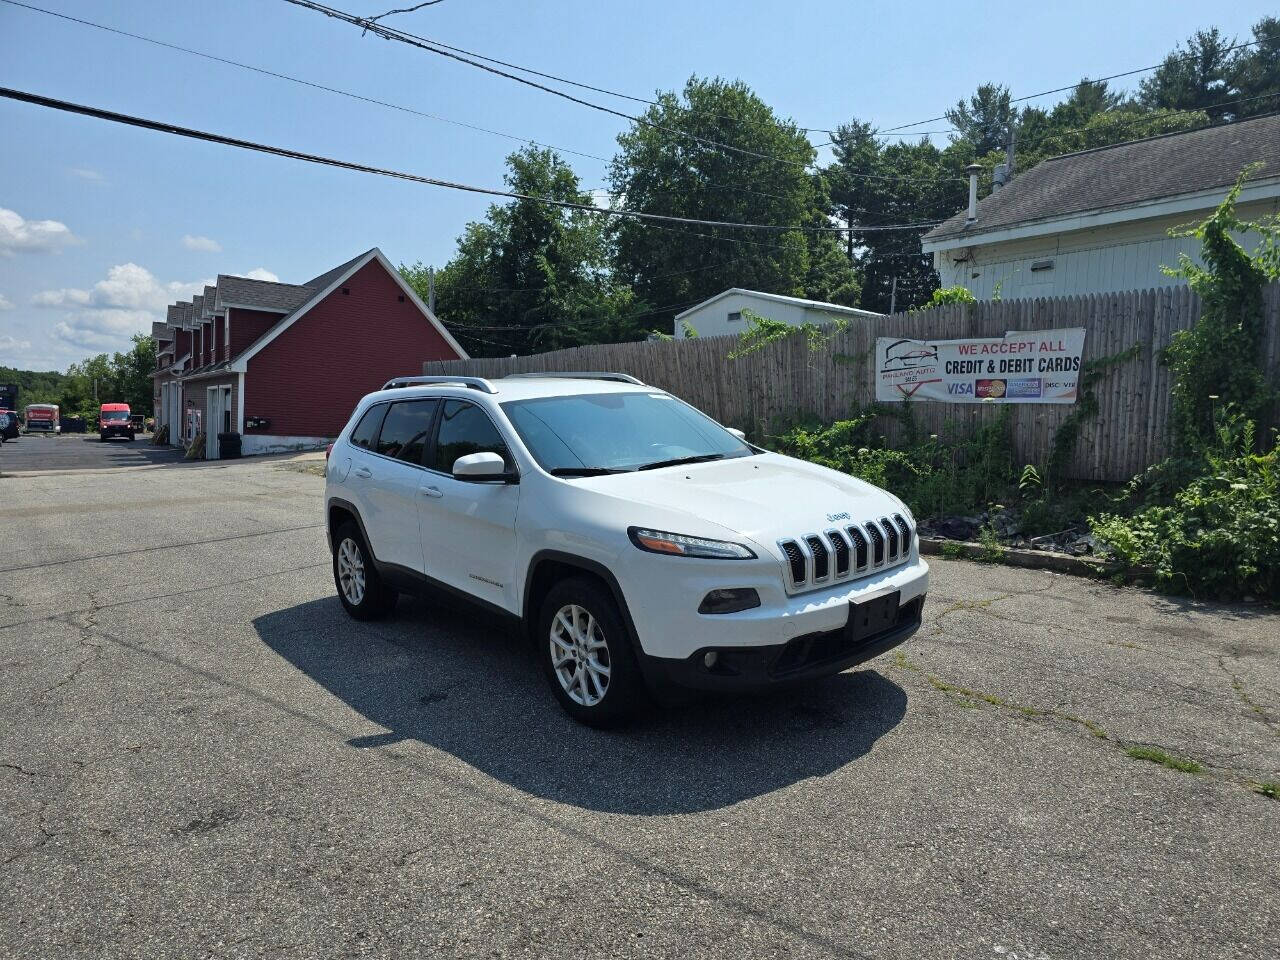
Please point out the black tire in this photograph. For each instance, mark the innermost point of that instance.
(102, 438)
(623, 692)
(376, 600)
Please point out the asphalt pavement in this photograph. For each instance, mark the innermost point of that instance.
(202, 755)
(39, 452)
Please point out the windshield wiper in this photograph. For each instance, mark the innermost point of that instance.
(582, 471)
(680, 461)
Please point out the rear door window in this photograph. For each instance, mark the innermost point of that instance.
(366, 431)
(406, 430)
(466, 429)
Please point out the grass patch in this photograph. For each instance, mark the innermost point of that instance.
(1268, 788)
(954, 550)
(1165, 759)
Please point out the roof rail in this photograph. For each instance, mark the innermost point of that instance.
(474, 383)
(578, 375)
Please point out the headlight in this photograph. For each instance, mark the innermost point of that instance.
(679, 545)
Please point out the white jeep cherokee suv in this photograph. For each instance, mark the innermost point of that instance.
(641, 543)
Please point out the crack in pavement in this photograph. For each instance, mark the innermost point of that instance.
(959, 694)
(1255, 708)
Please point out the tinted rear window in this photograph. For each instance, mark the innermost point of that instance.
(366, 430)
(406, 430)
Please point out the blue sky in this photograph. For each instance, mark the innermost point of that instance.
(101, 225)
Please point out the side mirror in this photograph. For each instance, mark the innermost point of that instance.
(737, 433)
(480, 466)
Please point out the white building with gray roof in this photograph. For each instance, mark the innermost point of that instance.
(1098, 221)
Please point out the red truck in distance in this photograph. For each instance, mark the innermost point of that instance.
(113, 421)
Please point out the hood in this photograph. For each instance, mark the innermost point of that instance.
(765, 497)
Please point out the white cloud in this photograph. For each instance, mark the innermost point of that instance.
(203, 244)
(13, 343)
(19, 234)
(86, 173)
(261, 273)
(127, 286)
(103, 317)
(5, 302)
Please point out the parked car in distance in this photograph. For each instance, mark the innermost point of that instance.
(114, 421)
(42, 418)
(139, 422)
(8, 425)
(642, 544)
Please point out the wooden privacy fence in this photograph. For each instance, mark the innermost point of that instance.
(786, 381)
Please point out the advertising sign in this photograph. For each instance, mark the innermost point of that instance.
(1031, 366)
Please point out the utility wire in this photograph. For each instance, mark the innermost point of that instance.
(585, 86)
(416, 6)
(174, 129)
(299, 80)
(1114, 76)
(343, 93)
(388, 33)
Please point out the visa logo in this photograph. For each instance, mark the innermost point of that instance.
(960, 389)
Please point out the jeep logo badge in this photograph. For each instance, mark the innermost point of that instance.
(833, 517)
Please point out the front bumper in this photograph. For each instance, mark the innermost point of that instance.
(662, 595)
(804, 658)
(116, 431)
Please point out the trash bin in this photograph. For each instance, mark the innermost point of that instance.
(228, 446)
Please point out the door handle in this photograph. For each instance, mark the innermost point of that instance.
(364, 472)
(433, 492)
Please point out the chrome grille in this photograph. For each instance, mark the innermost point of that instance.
(795, 560)
(905, 529)
(859, 548)
(821, 559)
(855, 550)
(840, 547)
(877, 544)
(892, 533)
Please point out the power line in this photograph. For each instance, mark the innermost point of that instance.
(340, 92)
(388, 33)
(299, 80)
(430, 46)
(1114, 76)
(582, 86)
(174, 129)
(416, 6)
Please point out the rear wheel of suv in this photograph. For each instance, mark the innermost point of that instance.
(360, 588)
(587, 655)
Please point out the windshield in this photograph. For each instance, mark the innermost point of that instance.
(608, 432)
(115, 414)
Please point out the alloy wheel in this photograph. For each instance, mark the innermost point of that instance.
(351, 571)
(580, 655)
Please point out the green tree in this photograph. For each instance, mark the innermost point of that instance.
(666, 165)
(1257, 75)
(984, 119)
(873, 184)
(531, 276)
(1194, 77)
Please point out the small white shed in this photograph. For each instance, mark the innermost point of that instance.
(722, 314)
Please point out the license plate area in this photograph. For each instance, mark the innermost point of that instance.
(871, 617)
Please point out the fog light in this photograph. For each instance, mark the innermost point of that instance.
(729, 601)
(709, 660)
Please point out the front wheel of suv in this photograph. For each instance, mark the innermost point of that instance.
(586, 654)
(360, 588)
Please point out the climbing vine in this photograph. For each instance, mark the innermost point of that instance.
(762, 331)
(1218, 362)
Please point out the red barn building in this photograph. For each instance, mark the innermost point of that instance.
(283, 364)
